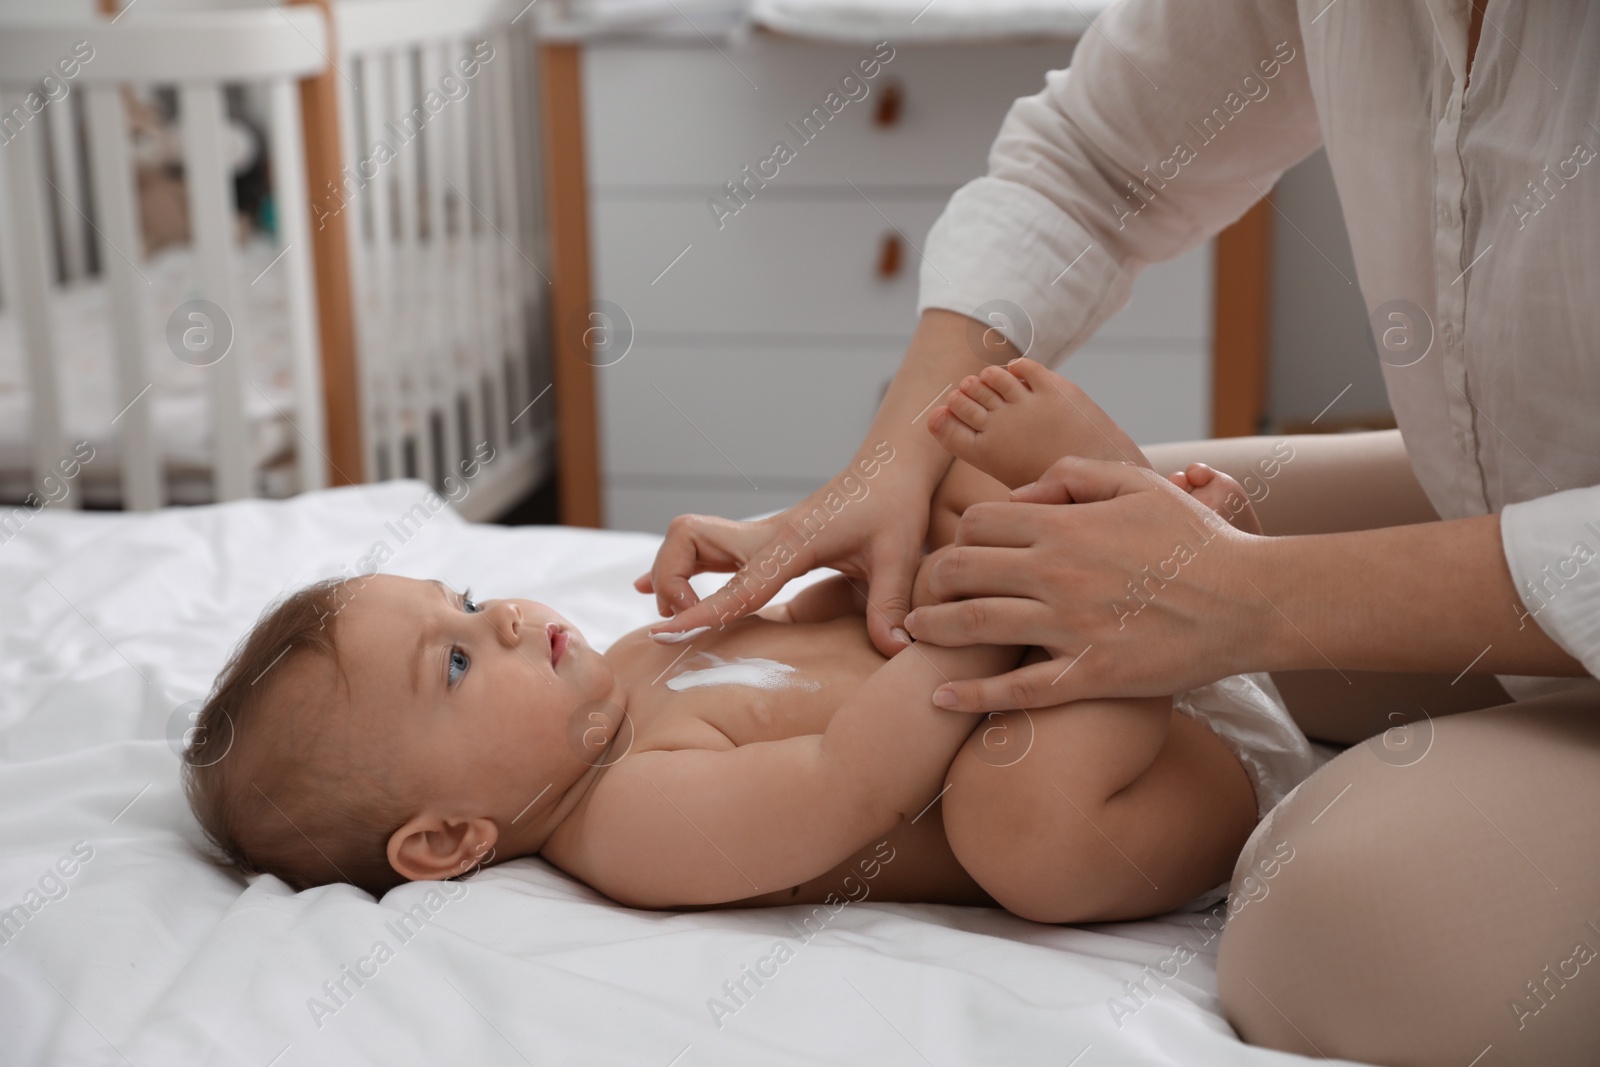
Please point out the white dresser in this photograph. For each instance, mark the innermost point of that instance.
(762, 340)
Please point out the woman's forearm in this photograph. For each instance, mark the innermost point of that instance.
(1428, 597)
(940, 354)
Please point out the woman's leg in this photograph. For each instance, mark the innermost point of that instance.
(1440, 903)
(1329, 483)
(1313, 483)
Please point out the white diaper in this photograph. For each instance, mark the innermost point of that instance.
(1248, 713)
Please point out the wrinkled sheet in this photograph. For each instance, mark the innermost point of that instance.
(146, 953)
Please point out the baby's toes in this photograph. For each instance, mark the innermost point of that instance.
(975, 387)
(1181, 480)
(970, 411)
(957, 437)
(1035, 375)
(1227, 498)
(1009, 387)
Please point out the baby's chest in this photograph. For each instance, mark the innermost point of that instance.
(761, 683)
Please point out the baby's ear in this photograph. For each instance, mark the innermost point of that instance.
(431, 847)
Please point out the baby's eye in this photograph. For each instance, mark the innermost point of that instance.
(458, 665)
(470, 606)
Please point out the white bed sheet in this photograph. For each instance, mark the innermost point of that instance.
(111, 622)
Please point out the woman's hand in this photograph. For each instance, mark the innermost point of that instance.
(1135, 589)
(868, 523)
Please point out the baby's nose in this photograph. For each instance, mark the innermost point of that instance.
(508, 622)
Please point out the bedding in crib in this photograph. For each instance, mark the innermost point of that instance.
(80, 319)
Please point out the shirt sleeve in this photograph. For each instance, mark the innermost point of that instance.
(1552, 545)
(1174, 118)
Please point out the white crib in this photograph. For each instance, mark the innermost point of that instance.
(442, 216)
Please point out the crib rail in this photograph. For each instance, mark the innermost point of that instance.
(199, 52)
(438, 123)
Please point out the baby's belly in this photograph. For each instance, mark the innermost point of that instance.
(910, 864)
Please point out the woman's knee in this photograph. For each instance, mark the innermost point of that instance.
(1406, 903)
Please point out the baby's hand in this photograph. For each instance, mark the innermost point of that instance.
(1220, 493)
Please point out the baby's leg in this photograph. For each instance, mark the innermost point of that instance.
(1056, 812)
(963, 486)
(1062, 815)
(1011, 423)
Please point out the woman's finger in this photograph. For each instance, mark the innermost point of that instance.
(1076, 480)
(681, 556)
(1038, 685)
(982, 570)
(1006, 525)
(982, 621)
(753, 584)
(889, 597)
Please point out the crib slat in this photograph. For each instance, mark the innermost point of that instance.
(480, 189)
(27, 283)
(211, 216)
(531, 188)
(305, 357)
(513, 267)
(408, 262)
(469, 331)
(66, 162)
(443, 384)
(381, 322)
(113, 179)
(352, 206)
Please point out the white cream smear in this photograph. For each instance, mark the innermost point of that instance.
(678, 639)
(753, 672)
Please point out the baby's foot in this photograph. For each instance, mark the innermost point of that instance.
(1220, 493)
(1012, 422)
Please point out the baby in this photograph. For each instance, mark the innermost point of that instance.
(386, 729)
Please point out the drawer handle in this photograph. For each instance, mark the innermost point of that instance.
(889, 256)
(890, 99)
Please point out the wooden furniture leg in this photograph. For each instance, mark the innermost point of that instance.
(567, 212)
(1241, 328)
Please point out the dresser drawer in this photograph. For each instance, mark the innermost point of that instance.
(761, 411)
(791, 266)
(762, 415)
(798, 266)
(635, 504)
(773, 433)
(664, 115)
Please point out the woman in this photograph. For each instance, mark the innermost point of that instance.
(1444, 902)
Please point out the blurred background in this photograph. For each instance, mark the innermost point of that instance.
(548, 256)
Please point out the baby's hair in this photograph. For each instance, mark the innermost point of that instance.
(265, 790)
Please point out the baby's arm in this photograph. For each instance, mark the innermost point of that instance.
(698, 826)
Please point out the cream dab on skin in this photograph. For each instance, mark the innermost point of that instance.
(678, 639)
(746, 671)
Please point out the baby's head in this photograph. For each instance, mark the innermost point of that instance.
(382, 729)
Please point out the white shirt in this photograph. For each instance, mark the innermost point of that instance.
(1477, 212)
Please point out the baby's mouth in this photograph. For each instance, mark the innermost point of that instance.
(559, 641)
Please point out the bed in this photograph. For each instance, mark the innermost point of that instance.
(386, 323)
(145, 953)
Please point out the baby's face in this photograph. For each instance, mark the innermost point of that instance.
(470, 701)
